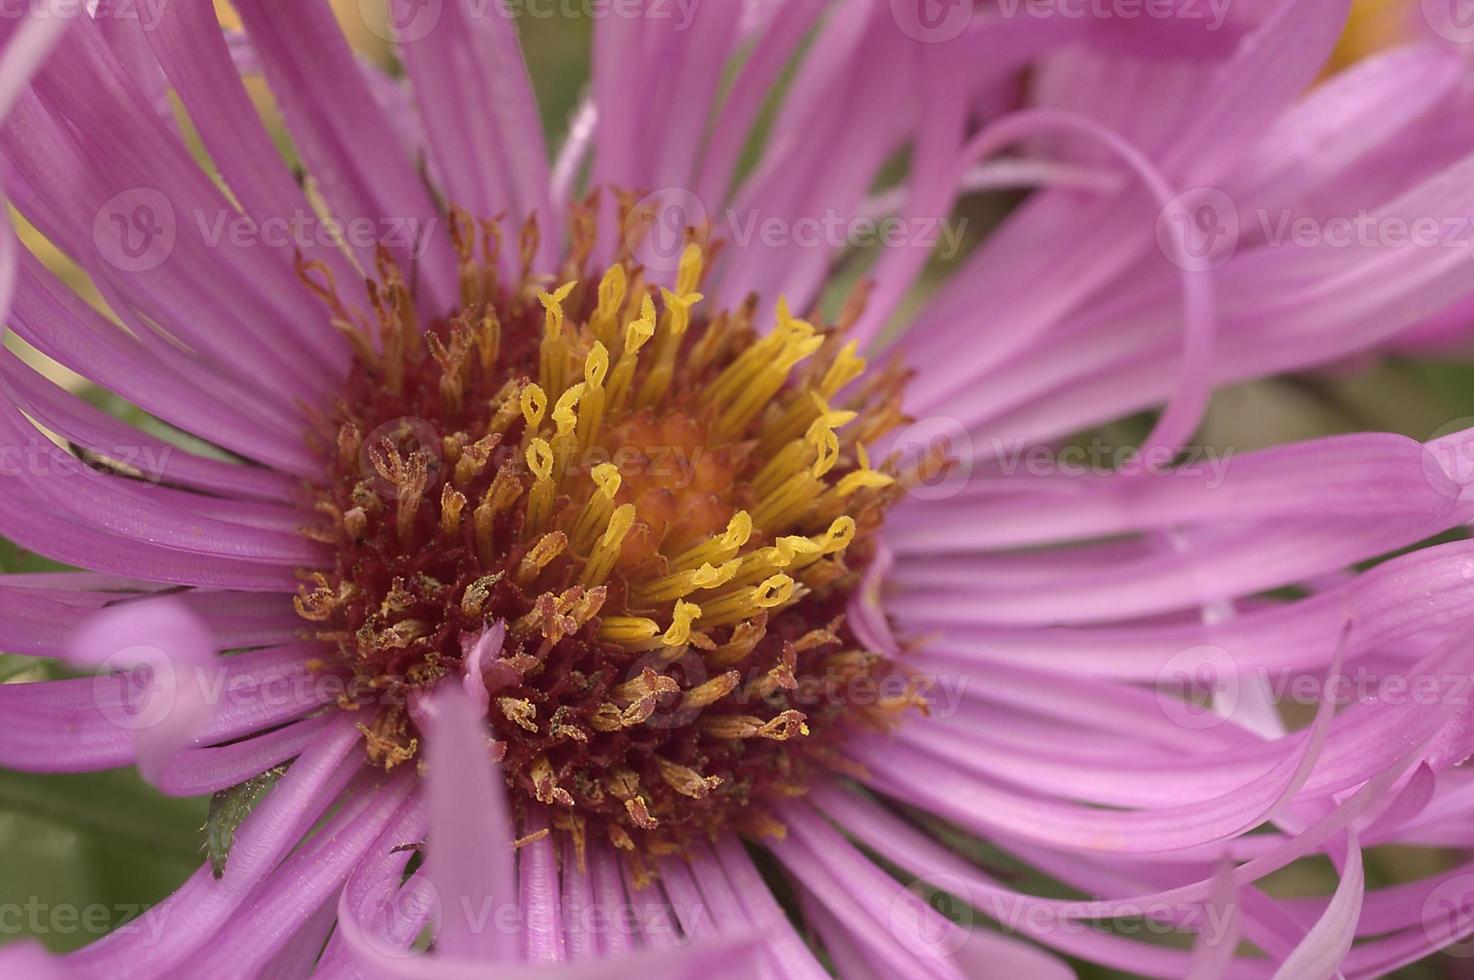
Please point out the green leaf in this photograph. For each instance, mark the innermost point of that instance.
(228, 808)
(82, 853)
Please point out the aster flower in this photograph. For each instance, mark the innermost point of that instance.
(576, 526)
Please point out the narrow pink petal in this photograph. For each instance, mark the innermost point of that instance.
(1325, 946)
(471, 859)
(468, 77)
(1213, 950)
(344, 135)
(189, 918)
(312, 876)
(537, 867)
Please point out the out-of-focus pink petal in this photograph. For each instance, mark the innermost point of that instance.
(471, 860)
(165, 646)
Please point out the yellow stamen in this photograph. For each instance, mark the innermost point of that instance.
(679, 633)
(596, 512)
(540, 499)
(773, 592)
(553, 354)
(604, 324)
(721, 547)
(627, 629)
(591, 408)
(635, 336)
(688, 273)
(534, 406)
(601, 562)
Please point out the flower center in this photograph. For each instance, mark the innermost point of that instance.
(633, 524)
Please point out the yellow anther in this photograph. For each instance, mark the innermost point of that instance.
(720, 547)
(605, 321)
(739, 529)
(863, 478)
(708, 576)
(673, 326)
(619, 525)
(627, 629)
(607, 478)
(534, 406)
(839, 536)
(826, 451)
(553, 353)
(636, 335)
(596, 512)
(540, 556)
(591, 409)
(679, 633)
(540, 459)
(606, 552)
(711, 576)
(688, 273)
(553, 305)
(563, 415)
(773, 592)
(540, 499)
(596, 367)
(846, 367)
